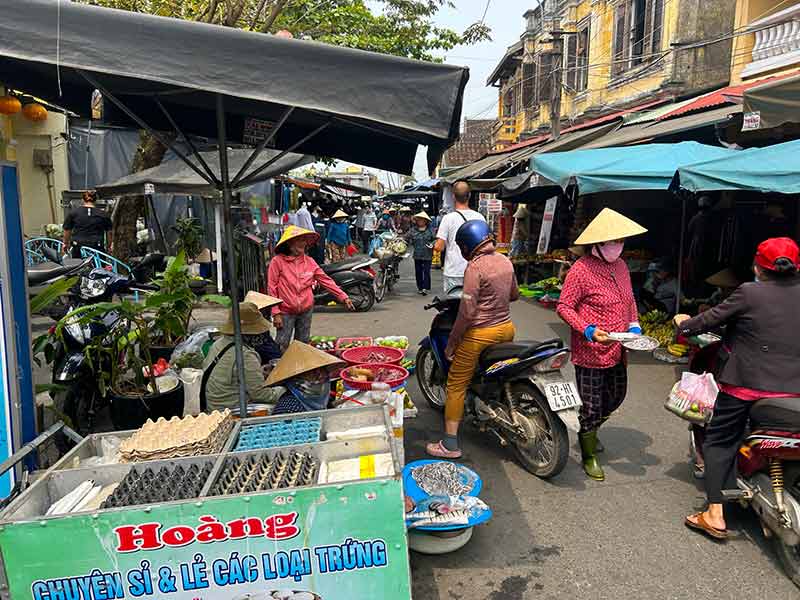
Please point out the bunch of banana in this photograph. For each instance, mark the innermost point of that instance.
(678, 349)
(664, 333)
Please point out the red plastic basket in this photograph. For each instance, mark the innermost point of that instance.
(373, 354)
(393, 375)
(357, 342)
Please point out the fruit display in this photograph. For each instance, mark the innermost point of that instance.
(353, 342)
(551, 284)
(393, 341)
(409, 364)
(678, 349)
(656, 324)
(323, 342)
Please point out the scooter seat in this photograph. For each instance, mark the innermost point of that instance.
(342, 265)
(38, 274)
(781, 414)
(504, 351)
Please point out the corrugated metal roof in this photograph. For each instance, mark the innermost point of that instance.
(727, 95)
(656, 113)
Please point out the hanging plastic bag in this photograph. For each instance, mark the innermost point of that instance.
(192, 380)
(693, 397)
(189, 353)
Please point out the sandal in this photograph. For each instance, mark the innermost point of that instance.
(699, 471)
(703, 527)
(438, 450)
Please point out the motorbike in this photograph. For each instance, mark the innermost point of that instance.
(517, 393)
(768, 465)
(356, 277)
(77, 393)
(390, 252)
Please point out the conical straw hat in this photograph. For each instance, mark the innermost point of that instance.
(261, 301)
(405, 209)
(206, 256)
(522, 212)
(422, 215)
(293, 231)
(301, 358)
(340, 214)
(724, 279)
(607, 226)
(252, 322)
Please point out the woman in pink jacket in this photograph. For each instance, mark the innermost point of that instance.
(291, 276)
(596, 300)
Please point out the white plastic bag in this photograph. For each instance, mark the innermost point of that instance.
(192, 381)
(693, 397)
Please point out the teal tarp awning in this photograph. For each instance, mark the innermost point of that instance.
(771, 169)
(645, 167)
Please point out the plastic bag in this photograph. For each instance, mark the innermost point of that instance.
(693, 397)
(192, 381)
(190, 350)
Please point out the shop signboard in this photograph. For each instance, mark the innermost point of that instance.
(321, 543)
(547, 225)
(751, 121)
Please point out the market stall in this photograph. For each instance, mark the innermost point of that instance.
(304, 507)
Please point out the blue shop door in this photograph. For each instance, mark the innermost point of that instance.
(17, 419)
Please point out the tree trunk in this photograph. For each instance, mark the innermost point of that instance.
(150, 153)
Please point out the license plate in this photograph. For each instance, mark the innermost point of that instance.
(562, 395)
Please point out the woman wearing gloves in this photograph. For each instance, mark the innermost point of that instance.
(597, 299)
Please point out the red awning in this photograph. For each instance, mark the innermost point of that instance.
(728, 95)
(584, 125)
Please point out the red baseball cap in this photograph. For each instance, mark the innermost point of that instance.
(769, 251)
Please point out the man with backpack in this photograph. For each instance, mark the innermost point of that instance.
(454, 263)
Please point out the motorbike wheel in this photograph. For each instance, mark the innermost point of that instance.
(391, 279)
(380, 285)
(789, 557)
(545, 454)
(363, 298)
(75, 407)
(428, 376)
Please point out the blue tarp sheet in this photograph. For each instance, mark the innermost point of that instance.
(645, 167)
(771, 169)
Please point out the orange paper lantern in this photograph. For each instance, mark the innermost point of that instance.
(34, 112)
(10, 105)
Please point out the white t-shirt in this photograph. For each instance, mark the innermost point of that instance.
(454, 263)
(370, 221)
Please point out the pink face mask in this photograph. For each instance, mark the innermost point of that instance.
(609, 251)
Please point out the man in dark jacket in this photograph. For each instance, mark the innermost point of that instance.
(86, 226)
(760, 361)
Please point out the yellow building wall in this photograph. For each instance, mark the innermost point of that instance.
(748, 11)
(40, 193)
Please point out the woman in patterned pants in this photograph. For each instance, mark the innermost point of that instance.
(597, 299)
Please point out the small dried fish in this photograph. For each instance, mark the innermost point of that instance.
(439, 479)
(457, 517)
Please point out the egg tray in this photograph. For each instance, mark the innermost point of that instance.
(273, 434)
(261, 472)
(169, 483)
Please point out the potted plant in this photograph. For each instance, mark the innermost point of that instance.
(123, 363)
(190, 237)
(172, 305)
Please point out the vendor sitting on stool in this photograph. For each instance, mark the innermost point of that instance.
(305, 372)
(220, 386)
(264, 344)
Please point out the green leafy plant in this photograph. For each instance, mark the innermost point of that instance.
(172, 303)
(51, 294)
(190, 237)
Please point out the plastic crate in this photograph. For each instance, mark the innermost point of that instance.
(290, 432)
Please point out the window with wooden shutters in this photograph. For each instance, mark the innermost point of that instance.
(528, 83)
(656, 25)
(508, 102)
(582, 62)
(620, 39)
(545, 77)
(571, 62)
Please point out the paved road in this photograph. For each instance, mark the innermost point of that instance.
(569, 537)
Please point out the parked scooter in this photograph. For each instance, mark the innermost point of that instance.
(78, 394)
(517, 392)
(356, 277)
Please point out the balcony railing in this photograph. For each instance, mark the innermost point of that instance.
(777, 41)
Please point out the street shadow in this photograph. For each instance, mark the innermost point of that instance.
(627, 451)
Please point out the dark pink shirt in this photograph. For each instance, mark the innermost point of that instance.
(597, 293)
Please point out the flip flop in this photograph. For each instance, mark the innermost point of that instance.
(438, 450)
(703, 527)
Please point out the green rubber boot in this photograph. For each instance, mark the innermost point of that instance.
(589, 453)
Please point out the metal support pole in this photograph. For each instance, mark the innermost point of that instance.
(680, 255)
(232, 277)
(218, 237)
(555, 90)
(263, 144)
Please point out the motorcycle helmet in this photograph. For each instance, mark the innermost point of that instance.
(472, 235)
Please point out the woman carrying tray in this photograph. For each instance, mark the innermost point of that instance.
(597, 299)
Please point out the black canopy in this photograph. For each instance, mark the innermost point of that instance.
(376, 109)
(176, 177)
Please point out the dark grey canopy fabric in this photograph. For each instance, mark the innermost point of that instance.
(378, 108)
(176, 177)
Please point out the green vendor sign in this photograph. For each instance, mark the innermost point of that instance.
(325, 543)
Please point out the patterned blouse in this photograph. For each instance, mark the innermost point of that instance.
(597, 293)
